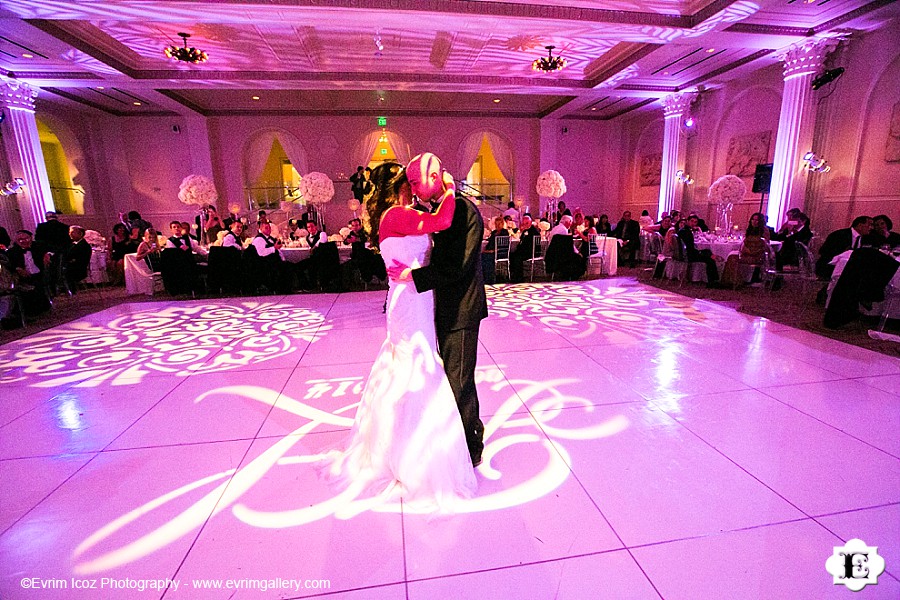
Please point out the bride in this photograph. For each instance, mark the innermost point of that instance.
(407, 439)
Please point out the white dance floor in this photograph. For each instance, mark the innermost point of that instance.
(640, 444)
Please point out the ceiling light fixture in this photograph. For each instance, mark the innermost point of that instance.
(136, 103)
(26, 55)
(710, 50)
(185, 54)
(256, 97)
(549, 63)
(496, 100)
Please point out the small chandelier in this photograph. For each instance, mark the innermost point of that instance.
(13, 187)
(549, 63)
(814, 163)
(185, 54)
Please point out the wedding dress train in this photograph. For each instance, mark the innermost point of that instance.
(407, 438)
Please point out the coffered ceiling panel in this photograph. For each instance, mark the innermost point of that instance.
(419, 55)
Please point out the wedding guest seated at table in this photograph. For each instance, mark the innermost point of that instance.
(603, 225)
(274, 269)
(28, 259)
(794, 232)
(629, 232)
(178, 260)
(357, 233)
(76, 258)
(562, 261)
(863, 282)
(587, 249)
(234, 237)
(645, 221)
(529, 235)
(686, 234)
(293, 231)
(882, 235)
(490, 250)
(752, 251)
(564, 227)
(314, 235)
(841, 240)
(135, 223)
(510, 225)
(662, 227)
(148, 250)
(701, 224)
(320, 267)
(118, 246)
(5, 240)
(181, 239)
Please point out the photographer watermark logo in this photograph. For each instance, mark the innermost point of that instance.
(855, 565)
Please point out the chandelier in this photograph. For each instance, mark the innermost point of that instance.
(185, 54)
(549, 63)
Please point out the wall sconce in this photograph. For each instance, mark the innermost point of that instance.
(683, 177)
(814, 163)
(13, 187)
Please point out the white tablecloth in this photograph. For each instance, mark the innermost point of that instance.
(722, 248)
(839, 262)
(139, 279)
(295, 255)
(98, 273)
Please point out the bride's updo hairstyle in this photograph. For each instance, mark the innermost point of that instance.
(387, 179)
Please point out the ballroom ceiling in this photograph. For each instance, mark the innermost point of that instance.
(460, 57)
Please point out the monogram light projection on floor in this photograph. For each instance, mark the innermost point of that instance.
(626, 428)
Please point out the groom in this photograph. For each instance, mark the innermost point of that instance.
(454, 274)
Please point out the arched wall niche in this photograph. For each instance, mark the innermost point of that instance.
(75, 161)
(258, 146)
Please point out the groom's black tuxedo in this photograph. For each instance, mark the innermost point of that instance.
(454, 274)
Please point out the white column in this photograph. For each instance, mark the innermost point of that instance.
(796, 125)
(23, 148)
(670, 189)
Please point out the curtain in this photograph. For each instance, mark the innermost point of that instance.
(400, 147)
(261, 146)
(365, 148)
(256, 156)
(295, 152)
(502, 154)
(468, 153)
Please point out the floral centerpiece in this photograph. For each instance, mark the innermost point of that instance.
(551, 184)
(197, 190)
(94, 238)
(316, 188)
(725, 192)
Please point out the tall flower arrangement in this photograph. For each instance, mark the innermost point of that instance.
(197, 190)
(551, 184)
(316, 188)
(725, 192)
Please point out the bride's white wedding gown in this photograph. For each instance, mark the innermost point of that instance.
(408, 437)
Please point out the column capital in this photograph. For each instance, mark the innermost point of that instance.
(675, 105)
(807, 57)
(17, 94)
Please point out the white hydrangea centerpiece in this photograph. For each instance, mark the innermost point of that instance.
(551, 184)
(197, 190)
(316, 188)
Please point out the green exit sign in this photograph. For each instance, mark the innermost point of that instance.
(384, 150)
(382, 121)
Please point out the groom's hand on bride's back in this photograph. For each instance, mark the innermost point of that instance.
(399, 272)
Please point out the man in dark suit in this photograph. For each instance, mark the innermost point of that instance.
(793, 232)
(77, 257)
(454, 274)
(528, 237)
(28, 259)
(686, 234)
(53, 235)
(629, 231)
(840, 241)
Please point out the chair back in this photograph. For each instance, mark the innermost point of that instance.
(539, 248)
(597, 244)
(501, 247)
(679, 250)
(806, 261)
